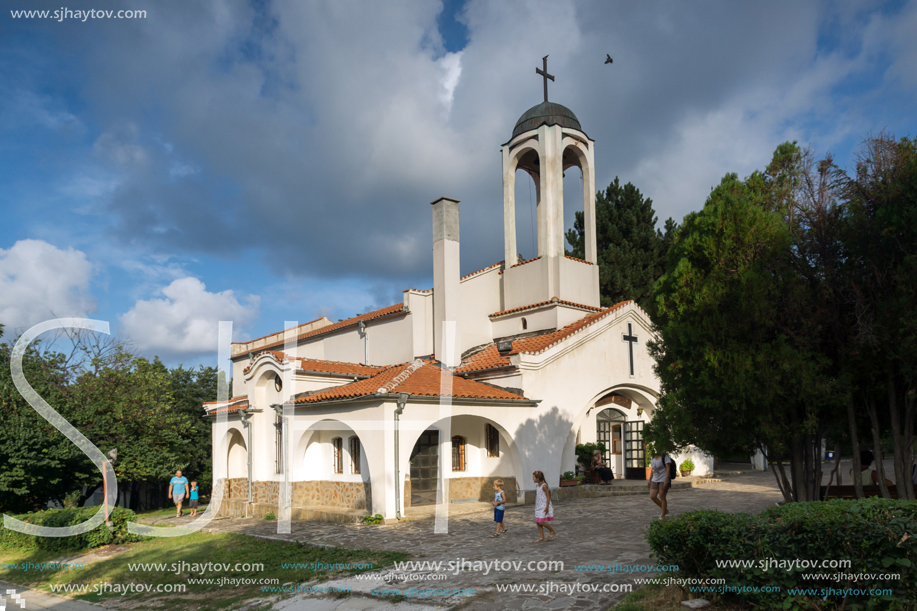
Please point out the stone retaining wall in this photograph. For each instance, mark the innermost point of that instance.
(480, 488)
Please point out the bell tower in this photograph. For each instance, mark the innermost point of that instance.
(547, 140)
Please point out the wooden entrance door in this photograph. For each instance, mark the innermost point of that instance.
(425, 469)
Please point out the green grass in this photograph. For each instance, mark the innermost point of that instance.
(198, 548)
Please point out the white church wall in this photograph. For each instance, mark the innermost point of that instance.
(479, 297)
(579, 282)
(387, 342)
(526, 284)
(703, 462)
(238, 378)
(536, 320)
(420, 304)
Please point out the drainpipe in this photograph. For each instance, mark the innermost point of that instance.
(363, 335)
(247, 422)
(402, 400)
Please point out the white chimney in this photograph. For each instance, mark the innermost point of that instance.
(446, 281)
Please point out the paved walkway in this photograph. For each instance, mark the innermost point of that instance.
(594, 531)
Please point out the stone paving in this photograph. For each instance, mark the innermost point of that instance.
(596, 531)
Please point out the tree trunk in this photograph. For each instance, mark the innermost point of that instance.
(907, 440)
(877, 447)
(782, 482)
(855, 447)
(900, 469)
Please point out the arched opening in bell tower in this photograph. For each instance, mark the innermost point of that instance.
(527, 196)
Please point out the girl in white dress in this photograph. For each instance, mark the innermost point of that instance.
(544, 509)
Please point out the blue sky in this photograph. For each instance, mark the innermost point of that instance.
(265, 162)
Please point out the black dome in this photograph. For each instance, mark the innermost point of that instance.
(546, 113)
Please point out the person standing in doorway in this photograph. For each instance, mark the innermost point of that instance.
(178, 490)
(660, 481)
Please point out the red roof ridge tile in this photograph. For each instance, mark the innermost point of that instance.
(483, 269)
(544, 303)
(526, 261)
(408, 371)
(579, 260)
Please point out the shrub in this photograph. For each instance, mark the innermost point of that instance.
(876, 535)
(270, 516)
(372, 519)
(101, 535)
(585, 451)
(687, 465)
(568, 475)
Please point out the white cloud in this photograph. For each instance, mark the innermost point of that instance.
(185, 321)
(39, 281)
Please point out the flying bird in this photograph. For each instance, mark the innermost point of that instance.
(608, 59)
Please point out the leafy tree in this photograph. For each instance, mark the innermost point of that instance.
(789, 300)
(739, 365)
(126, 403)
(39, 463)
(190, 389)
(631, 251)
(880, 256)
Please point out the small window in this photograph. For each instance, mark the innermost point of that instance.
(616, 445)
(355, 455)
(525, 324)
(338, 445)
(492, 440)
(458, 453)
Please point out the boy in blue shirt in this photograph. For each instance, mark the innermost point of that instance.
(193, 502)
(178, 491)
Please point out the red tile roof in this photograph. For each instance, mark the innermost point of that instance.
(579, 260)
(490, 357)
(355, 369)
(544, 303)
(227, 407)
(418, 377)
(380, 313)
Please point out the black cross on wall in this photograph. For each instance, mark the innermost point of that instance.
(631, 339)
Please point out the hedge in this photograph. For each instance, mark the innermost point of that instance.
(96, 537)
(877, 536)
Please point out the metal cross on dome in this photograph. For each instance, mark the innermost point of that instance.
(545, 75)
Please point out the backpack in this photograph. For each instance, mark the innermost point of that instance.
(673, 470)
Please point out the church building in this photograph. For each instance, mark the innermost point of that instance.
(494, 374)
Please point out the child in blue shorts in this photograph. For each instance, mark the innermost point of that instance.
(193, 504)
(499, 504)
